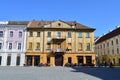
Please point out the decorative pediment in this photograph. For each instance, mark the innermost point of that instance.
(58, 24)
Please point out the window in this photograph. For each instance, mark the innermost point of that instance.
(69, 47)
(101, 46)
(113, 51)
(1, 33)
(0, 60)
(11, 33)
(108, 44)
(59, 34)
(10, 46)
(108, 51)
(19, 46)
(112, 43)
(48, 46)
(38, 46)
(31, 34)
(59, 24)
(79, 34)
(87, 35)
(49, 34)
(117, 51)
(30, 45)
(20, 34)
(104, 45)
(69, 34)
(88, 47)
(0, 46)
(38, 34)
(116, 41)
(79, 46)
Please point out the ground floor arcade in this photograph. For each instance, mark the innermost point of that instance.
(59, 59)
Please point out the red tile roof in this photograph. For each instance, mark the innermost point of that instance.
(40, 24)
(109, 35)
(18, 22)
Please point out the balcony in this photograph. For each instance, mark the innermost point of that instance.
(59, 50)
(59, 39)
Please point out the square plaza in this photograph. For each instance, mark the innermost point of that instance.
(59, 73)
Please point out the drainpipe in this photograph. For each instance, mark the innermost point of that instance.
(43, 43)
(75, 40)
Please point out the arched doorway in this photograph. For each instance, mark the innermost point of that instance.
(59, 60)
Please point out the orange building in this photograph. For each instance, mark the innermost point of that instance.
(59, 42)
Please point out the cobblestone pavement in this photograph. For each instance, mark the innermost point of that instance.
(49, 73)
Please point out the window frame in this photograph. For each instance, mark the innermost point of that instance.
(59, 34)
(30, 46)
(1, 46)
(37, 46)
(49, 34)
(87, 35)
(1, 34)
(30, 34)
(11, 33)
(38, 34)
(88, 47)
(69, 35)
(19, 47)
(10, 46)
(20, 34)
(79, 35)
(80, 45)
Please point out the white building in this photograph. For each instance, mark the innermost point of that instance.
(107, 47)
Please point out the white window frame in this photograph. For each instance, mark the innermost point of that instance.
(9, 44)
(1, 35)
(11, 34)
(1, 45)
(20, 34)
(18, 46)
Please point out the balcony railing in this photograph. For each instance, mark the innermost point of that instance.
(58, 37)
(59, 50)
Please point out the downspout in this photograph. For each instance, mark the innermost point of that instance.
(43, 44)
(75, 39)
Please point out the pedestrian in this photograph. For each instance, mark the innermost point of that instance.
(111, 64)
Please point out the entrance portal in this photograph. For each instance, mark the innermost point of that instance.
(58, 60)
(80, 59)
(88, 60)
(29, 60)
(36, 60)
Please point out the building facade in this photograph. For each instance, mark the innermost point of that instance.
(59, 42)
(12, 44)
(107, 48)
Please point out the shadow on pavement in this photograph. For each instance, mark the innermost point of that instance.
(104, 73)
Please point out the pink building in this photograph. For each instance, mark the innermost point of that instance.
(13, 44)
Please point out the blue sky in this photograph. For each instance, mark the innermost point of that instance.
(103, 15)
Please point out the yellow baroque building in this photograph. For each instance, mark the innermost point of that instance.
(59, 42)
